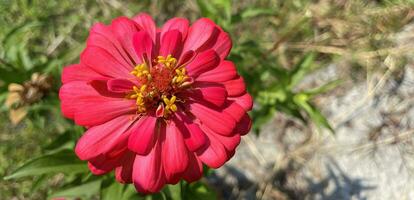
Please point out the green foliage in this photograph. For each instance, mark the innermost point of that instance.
(85, 190)
(199, 191)
(217, 10)
(280, 95)
(64, 161)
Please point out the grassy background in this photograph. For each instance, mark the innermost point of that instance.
(270, 38)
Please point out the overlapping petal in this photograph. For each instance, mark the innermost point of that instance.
(101, 139)
(102, 36)
(171, 44)
(203, 62)
(179, 24)
(143, 46)
(148, 174)
(146, 24)
(78, 72)
(174, 153)
(201, 35)
(142, 135)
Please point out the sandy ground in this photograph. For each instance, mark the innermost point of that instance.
(369, 157)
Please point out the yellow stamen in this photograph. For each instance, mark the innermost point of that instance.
(170, 104)
(168, 61)
(141, 70)
(143, 88)
(180, 77)
(138, 94)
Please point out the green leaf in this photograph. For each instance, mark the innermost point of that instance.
(223, 5)
(16, 33)
(290, 108)
(324, 88)
(207, 9)
(130, 193)
(157, 196)
(112, 191)
(63, 141)
(5, 75)
(64, 161)
(256, 12)
(207, 171)
(251, 12)
(300, 70)
(86, 190)
(3, 97)
(174, 191)
(38, 182)
(217, 10)
(281, 74)
(315, 115)
(270, 97)
(199, 191)
(25, 59)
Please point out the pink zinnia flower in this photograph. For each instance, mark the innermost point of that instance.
(157, 102)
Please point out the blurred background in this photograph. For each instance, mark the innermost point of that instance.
(332, 80)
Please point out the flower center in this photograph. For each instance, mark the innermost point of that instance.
(158, 85)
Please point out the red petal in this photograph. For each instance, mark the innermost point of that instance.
(123, 173)
(195, 169)
(245, 101)
(201, 36)
(148, 175)
(143, 46)
(179, 24)
(104, 63)
(95, 112)
(89, 107)
(124, 28)
(101, 87)
(234, 110)
(214, 154)
(102, 36)
(244, 125)
(101, 139)
(171, 44)
(97, 171)
(102, 164)
(186, 58)
(147, 24)
(215, 94)
(218, 121)
(174, 153)
(203, 62)
(78, 72)
(69, 95)
(223, 45)
(223, 72)
(120, 85)
(194, 137)
(142, 136)
(81, 101)
(230, 143)
(235, 87)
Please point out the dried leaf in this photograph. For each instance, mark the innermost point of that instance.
(13, 98)
(14, 87)
(17, 115)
